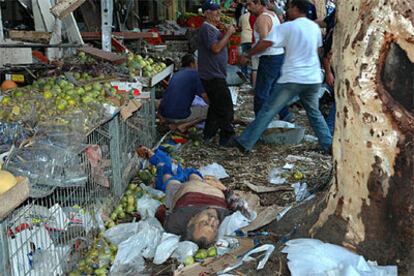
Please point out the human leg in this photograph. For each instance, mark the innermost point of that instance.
(212, 125)
(276, 102)
(220, 112)
(310, 101)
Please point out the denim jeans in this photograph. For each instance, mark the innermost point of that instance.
(267, 75)
(284, 92)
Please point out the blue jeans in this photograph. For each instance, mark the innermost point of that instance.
(284, 92)
(267, 75)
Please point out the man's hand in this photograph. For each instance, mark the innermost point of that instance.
(230, 30)
(330, 79)
(243, 60)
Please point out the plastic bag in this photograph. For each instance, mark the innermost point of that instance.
(313, 257)
(147, 206)
(185, 249)
(152, 191)
(214, 170)
(121, 232)
(301, 191)
(232, 223)
(275, 176)
(129, 259)
(169, 243)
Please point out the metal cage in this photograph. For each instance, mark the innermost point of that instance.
(42, 236)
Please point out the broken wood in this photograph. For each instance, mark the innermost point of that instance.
(265, 189)
(30, 36)
(103, 55)
(211, 266)
(64, 7)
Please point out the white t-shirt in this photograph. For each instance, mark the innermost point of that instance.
(301, 39)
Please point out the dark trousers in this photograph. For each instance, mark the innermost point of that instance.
(220, 111)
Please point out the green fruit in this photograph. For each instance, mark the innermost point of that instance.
(130, 209)
(201, 254)
(114, 216)
(132, 187)
(121, 215)
(189, 260)
(212, 251)
(6, 100)
(131, 200)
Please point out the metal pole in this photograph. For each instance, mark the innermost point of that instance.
(1, 26)
(107, 8)
(5, 268)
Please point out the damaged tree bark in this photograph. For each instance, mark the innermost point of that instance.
(370, 205)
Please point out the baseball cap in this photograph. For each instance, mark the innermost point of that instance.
(210, 5)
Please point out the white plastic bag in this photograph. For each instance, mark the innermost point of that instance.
(301, 191)
(129, 258)
(232, 223)
(275, 177)
(128, 261)
(214, 170)
(313, 257)
(169, 242)
(121, 232)
(147, 206)
(152, 191)
(185, 249)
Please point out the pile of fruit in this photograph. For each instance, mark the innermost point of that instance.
(145, 67)
(98, 259)
(54, 98)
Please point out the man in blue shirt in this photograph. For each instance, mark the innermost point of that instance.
(212, 57)
(176, 103)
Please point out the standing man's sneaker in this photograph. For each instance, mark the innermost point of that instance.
(235, 144)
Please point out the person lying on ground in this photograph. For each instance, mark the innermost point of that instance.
(196, 204)
(176, 103)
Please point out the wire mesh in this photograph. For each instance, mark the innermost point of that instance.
(126, 135)
(43, 234)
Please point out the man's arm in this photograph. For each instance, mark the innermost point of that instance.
(263, 27)
(217, 47)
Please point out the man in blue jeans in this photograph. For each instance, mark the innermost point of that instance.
(300, 76)
(270, 56)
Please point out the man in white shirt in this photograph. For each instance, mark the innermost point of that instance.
(270, 56)
(300, 76)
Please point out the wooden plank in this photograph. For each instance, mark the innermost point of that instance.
(31, 36)
(64, 7)
(213, 265)
(122, 35)
(101, 54)
(14, 197)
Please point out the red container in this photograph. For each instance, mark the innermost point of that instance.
(233, 54)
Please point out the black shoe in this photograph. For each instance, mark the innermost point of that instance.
(226, 142)
(236, 144)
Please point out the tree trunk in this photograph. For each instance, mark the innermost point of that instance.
(370, 205)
